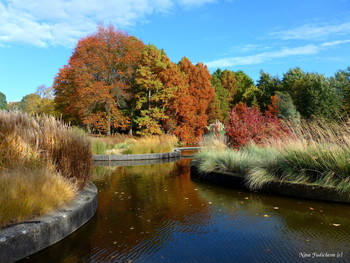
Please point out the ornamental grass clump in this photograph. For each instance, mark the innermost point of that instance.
(314, 153)
(43, 163)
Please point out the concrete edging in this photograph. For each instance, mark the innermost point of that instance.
(132, 157)
(24, 239)
(308, 191)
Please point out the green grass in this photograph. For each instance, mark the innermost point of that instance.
(318, 153)
(43, 163)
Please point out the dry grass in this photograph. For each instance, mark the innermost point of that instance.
(42, 161)
(26, 193)
(150, 144)
(134, 145)
(214, 142)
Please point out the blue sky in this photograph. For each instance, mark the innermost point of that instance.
(37, 37)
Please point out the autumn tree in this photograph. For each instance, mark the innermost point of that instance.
(200, 94)
(153, 91)
(31, 104)
(95, 87)
(3, 102)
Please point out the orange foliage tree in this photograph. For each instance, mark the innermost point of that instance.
(94, 88)
(193, 103)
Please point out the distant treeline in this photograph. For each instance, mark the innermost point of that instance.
(113, 82)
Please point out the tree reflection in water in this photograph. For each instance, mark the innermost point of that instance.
(155, 213)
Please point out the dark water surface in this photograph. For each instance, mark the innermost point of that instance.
(156, 213)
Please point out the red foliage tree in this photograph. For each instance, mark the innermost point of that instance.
(272, 109)
(247, 125)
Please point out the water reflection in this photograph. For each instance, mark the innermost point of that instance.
(156, 213)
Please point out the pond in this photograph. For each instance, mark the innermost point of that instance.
(156, 213)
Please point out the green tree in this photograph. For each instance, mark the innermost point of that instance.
(341, 82)
(219, 108)
(3, 102)
(312, 94)
(268, 86)
(247, 92)
(286, 107)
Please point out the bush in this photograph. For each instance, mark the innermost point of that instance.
(248, 125)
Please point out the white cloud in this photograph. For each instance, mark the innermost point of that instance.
(313, 31)
(60, 22)
(335, 43)
(262, 57)
(195, 3)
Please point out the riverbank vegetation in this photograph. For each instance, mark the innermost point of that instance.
(134, 145)
(43, 163)
(311, 152)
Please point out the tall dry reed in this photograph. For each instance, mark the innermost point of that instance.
(43, 163)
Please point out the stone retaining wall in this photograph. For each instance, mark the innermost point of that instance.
(309, 191)
(24, 239)
(133, 157)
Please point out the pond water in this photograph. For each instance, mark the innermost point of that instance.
(156, 213)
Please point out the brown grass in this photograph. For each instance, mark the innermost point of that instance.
(42, 161)
(26, 193)
(151, 144)
(133, 145)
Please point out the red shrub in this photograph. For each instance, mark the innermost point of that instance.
(249, 125)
